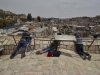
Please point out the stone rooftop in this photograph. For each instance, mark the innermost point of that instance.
(69, 63)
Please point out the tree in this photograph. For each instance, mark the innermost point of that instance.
(29, 17)
(49, 19)
(23, 19)
(38, 18)
(3, 19)
(97, 17)
(32, 19)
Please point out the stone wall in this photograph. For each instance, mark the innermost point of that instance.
(40, 43)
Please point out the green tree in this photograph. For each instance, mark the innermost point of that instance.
(29, 17)
(32, 19)
(3, 19)
(97, 17)
(23, 19)
(38, 18)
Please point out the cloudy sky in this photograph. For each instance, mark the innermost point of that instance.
(53, 8)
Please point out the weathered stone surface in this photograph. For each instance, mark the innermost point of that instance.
(69, 63)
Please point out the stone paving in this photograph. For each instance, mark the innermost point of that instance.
(69, 63)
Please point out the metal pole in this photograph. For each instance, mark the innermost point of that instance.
(91, 43)
(14, 39)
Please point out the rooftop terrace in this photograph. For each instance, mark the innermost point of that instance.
(69, 63)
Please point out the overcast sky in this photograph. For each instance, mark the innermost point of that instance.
(53, 8)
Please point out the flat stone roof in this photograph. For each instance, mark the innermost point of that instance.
(69, 63)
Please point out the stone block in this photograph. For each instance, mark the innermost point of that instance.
(96, 51)
(65, 43)
(45, 42)
(91, 51)
(97, 47)
(71, 43)
(73, 48)
(20, 50)
(30, 73)
(12, 46)
(44, 46)
(11, 51)
(93, 48)
(40, 73)
(3, 52)
(7, 51)
(70, 47)
(37, 41)
(63, 46)
(37, 46)
(6, 46)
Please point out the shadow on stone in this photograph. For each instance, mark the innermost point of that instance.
(11, 57)
(82, 57)
(66, 54)
(38, 53)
